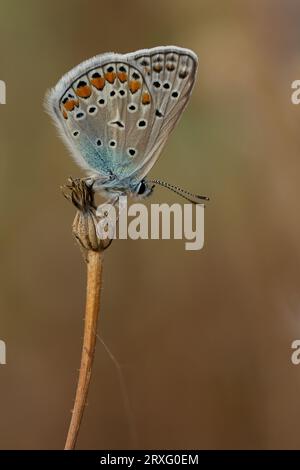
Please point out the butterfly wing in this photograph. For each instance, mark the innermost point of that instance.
(115, 111)
(170, 74)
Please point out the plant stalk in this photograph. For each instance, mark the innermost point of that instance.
(93, 295)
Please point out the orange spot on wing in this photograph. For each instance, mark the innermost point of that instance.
(134, 86)
(65, 114)
(70, 105)
(83, 91)
(146, 98)
(98, 83)
(110, 77)
(122, 76)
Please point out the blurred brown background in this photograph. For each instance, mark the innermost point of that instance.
(203, 338)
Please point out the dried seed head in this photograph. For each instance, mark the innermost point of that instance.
(85, 222)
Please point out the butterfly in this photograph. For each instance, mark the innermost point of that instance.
(116, 111)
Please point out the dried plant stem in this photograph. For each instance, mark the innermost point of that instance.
(85, 231)
(94, 282)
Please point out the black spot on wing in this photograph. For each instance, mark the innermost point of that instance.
(117, 123)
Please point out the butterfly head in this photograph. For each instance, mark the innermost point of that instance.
(143, 188)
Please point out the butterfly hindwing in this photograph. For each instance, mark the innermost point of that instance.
(170, 74)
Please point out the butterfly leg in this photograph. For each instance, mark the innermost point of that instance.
(97, 182)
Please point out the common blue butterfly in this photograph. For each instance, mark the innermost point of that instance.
(116, 111)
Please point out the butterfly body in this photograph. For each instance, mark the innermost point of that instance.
(115, 187)
(116, 111)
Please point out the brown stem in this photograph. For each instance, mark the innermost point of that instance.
(94, 282)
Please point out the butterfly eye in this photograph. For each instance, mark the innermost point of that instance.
(141, 188)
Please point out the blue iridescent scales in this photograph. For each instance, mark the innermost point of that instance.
(116, 111)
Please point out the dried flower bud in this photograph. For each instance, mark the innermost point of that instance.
(85, 222)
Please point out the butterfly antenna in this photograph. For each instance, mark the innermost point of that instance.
(194, 198)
